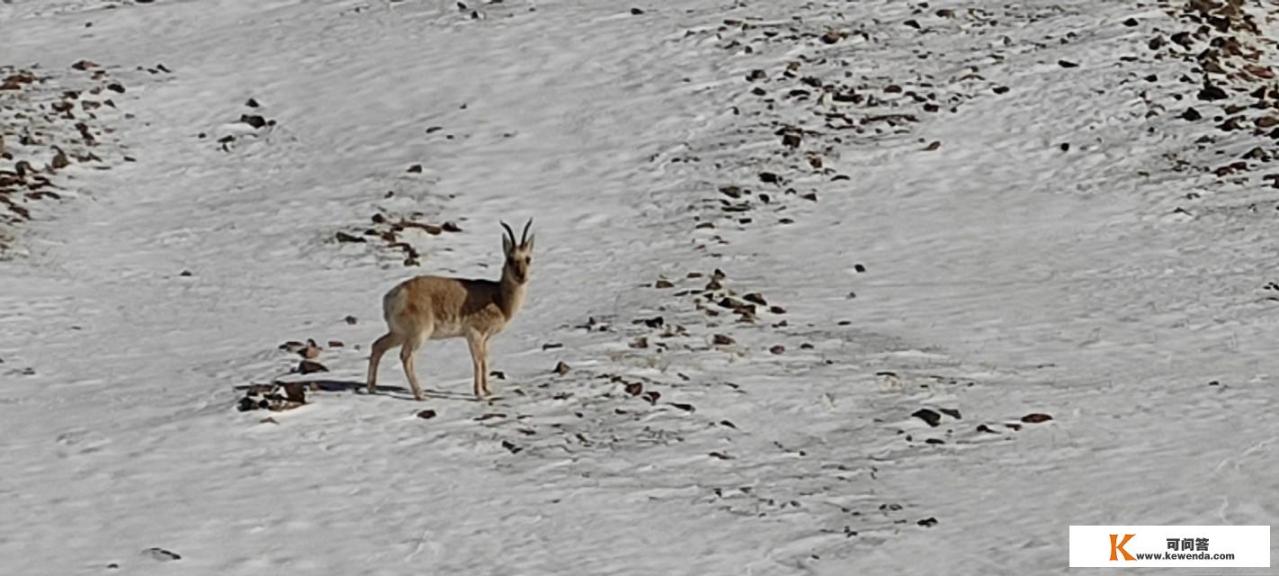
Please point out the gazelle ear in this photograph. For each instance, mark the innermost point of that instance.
(528, 244)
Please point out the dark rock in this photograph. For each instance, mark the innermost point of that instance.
(929, 416)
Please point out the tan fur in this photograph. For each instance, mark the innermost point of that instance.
(434, 308)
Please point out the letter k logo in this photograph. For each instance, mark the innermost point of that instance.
(1117, 549)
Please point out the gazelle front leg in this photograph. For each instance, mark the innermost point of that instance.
(475, 342)
(484, 366)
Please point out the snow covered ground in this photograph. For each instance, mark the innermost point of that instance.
(977, 210)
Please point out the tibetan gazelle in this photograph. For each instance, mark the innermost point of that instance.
(433, 308)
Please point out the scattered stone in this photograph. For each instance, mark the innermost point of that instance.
(778, 349)
(929, 416)
(636, 11)
(683, 406)
(1067, 64)
(1211, 92)
(1036, 418)
(722, 340)
(161, 554)
(652, 396)
(953, 413)
(310, 367)
(511, 447)
(859, 269)
(415, 169)
(986, 429)
(720, 456)
(252, 103)
(1130, 22)
(927, 522)
(561, 368)
(254, 120)
(344, 237)
(351, 320)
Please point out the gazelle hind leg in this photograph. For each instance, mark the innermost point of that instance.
(484, 366)
(380, 346)
(407, 351)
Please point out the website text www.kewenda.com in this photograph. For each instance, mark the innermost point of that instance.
(1183, 556)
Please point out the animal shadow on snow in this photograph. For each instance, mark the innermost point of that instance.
(362, 388)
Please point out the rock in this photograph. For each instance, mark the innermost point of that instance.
(511, 447)
(756, 75)
(310, 367)
(662, 284)
(929, 416)
(1000, 89)
(60, 160)
(426, 414)
(415, 169)
(791, 140)
(986, 429)
(294, 392)
(953, 413)
(252, 103)
(351, 320)
(1211, 92)
(634, 388)
(684, 407)
(1036, 418)
(831, 37)
(636, 11)
(84, 65)
(913, 24)
(927, 522)
(254, 120)
(561, 368)
(1067, 64)
(722, 340)
(769, 178)
(778, 349)
(859, 268)
(933, 146)
(652, 396)
(1130, 22)
(161, 554)
(344, 237)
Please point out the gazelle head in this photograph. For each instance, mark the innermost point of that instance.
(519, 256)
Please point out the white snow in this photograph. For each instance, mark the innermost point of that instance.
(1002, 276)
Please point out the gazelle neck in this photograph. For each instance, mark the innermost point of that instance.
(510, 295)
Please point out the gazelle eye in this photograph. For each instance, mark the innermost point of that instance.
(528, 261)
